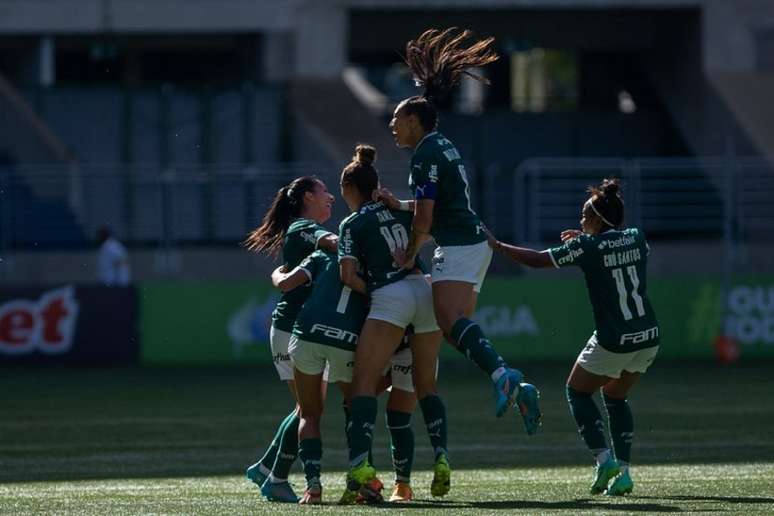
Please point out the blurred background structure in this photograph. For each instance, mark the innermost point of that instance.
(174, 122)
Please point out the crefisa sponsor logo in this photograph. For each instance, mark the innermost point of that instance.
(751, 314)
(46, 325)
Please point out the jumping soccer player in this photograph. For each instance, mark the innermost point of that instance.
(626, 339)
(442, 210)
(399, 298)
(291, 225)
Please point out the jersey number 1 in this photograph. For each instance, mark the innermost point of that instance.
(623, 295)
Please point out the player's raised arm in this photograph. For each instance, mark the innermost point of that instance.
(522, 255)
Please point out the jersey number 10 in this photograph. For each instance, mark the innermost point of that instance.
(395, 236)
(623, 295)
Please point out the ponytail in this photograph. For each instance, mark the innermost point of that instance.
(287, 205)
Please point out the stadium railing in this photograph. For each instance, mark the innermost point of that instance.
(682, 198)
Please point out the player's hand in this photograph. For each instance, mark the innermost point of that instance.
(569, 234)
(402, 260)
(387, 197)
(491, 239)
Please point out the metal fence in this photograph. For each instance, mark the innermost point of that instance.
(669, 198)
(680, 198)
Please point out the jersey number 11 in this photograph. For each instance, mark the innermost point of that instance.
(623, 295)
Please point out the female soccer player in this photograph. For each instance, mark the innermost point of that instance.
(291, 225)
(399, 298)
(626, 339)
(442, 210)
(333, 316)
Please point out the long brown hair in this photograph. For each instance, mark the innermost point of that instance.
(438, 60)
(287, 205)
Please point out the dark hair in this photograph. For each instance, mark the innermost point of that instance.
(287, 205)
(438, 60)
(606, 201)
(361, 172)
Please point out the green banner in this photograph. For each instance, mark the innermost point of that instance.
(206, 323)
(535, 318)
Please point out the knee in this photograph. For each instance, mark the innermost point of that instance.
(573, 394)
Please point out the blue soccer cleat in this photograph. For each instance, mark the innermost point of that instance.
(622, 485)
(527, 404)
(603, 474)
(505, 390)
(279, 492)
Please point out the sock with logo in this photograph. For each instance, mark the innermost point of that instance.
(402, 444)
(310, 451)
(470, 340)
(267, 461)
(588, 419)
(288, 448)
(361, 429)
(621, 427)
(434, 413)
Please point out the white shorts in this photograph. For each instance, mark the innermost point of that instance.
(279, 340)
(408, 301)
(312, 358)
(400, 369)
(597, 360)
(467, 263)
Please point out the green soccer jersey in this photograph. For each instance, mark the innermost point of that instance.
(300, 241)
(333, 314)
(370, 235)
(437, 173)
(614, 264)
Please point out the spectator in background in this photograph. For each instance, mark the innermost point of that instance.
(112, 260)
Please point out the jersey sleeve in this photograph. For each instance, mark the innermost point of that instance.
(348, 248)
(572, 252)
(314, 264)
(424, 172)
(319, 233)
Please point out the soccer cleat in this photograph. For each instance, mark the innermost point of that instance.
(441, 477)
(279, 492)
(527, 404)
(255, 475)
(622, 485)
(505, 390)
(350, 496)
(362, 473)
(603, 474)
(311, 497)
(402, 492)
(370, 493)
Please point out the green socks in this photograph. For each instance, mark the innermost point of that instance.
(470, 340)
(588, 419)
(288, 448)
(270, 456)
(434, 414)
(621, 427)
(362, 428)
(402, 444)
(310, 451)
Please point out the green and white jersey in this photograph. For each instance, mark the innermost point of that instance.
(437, 173)
(333, 314)
(300, 241)
(614, 264)
(370, 235)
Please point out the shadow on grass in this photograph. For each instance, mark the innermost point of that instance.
(729, 499)
(580, 504)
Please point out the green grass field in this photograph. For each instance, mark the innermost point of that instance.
(98, 441)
